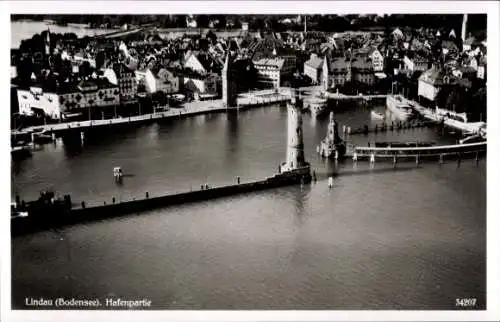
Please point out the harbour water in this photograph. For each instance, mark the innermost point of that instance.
(380, 239)
(21, 30)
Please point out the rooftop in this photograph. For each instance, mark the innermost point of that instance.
(315, 62)
(277, 62)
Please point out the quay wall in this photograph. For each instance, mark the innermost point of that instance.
(53, 217)
(189, 109)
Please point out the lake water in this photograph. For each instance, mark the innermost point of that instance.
(21, 30)
(412, 238)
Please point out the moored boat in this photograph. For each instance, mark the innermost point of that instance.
(377, 116)
(401, 109)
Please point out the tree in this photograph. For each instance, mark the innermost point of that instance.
(202, 21)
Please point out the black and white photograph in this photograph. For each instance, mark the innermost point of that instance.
(254, 161)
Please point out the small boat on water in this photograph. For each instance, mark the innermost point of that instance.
(316, 104)
(20, 151)
(401, 109)
(117, 173)
(377, 115)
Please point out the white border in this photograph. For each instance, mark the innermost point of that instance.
(492, 8)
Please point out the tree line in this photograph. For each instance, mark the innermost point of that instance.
(329, 22)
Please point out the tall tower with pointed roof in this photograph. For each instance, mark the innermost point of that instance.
(464, 28)
(47, 43)
(229, 86)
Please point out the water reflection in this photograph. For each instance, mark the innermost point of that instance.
(232, 134)
(300, 196)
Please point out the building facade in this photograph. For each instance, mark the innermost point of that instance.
(68, 98)
(313, 68)
(125, 78)
(377, 60)
(431, 82)
(416, 63)
(340, 71)
(362, 71)
(160, 80)
(273, 72)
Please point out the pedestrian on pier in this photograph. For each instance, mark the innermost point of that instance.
(202, 187)
(314, 176)
(206, 186)
(238, 179)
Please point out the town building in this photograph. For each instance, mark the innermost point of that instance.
(377, 60)
(198, 88)
(313, 68)
(465, 72)
(158, 80)
(432, 81)
(469, 43)
(123, 77)
(68, 97)
(481, 68)
(202, 62)
(362, 71)
(274, 72)
(416, 63)
(340, 71)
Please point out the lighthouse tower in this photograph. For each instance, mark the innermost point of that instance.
(295, 161)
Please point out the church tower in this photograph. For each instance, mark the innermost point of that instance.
(464, 28)
(47, 43)
(229, 85)
(324, 75)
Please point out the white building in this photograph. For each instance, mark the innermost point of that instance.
(377, 60)
(431, 82)
(313, 68)
(208, 85)
(416, 63)
(158, 81)
(68, 98)
(273, 71)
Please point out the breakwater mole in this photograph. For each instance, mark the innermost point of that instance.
(47, 213)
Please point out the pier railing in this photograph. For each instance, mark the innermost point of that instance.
(419, 151)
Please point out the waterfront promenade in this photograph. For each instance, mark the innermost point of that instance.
(245, 100)
(191, 108)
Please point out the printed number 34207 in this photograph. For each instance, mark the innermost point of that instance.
(466, 302)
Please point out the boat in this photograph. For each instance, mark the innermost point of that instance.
(20, 151)
(378, 116)
(401, 109)
(472, 139)
(42, 138)
(316, 104)
(117, 173)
